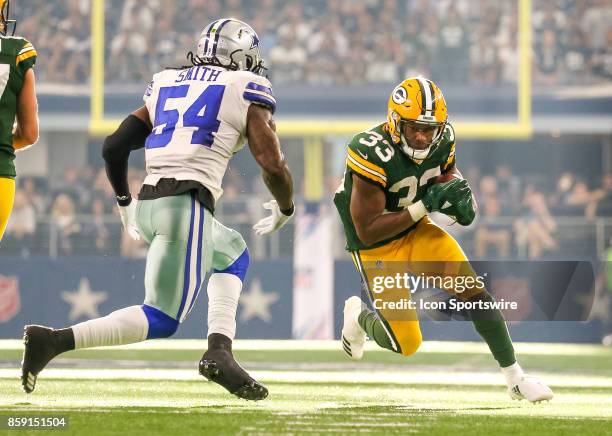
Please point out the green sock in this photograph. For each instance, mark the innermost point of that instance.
(374, 328)
(491, 325)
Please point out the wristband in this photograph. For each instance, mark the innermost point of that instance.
(288, 212)
(417, 210)
(124, 200)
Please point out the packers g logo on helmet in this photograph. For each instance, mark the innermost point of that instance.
(4, 18)
(420, 102)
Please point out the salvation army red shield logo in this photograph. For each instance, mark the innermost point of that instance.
(9, 298)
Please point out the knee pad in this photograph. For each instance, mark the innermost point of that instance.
(409, 338)
(239, 267)
(160, 324)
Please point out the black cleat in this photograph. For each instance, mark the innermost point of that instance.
(41, 345)
(218, 365)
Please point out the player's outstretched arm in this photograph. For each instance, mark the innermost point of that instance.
(367, 207)
(265, 147)
(26, 130)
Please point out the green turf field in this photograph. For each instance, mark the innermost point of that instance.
(447, 388)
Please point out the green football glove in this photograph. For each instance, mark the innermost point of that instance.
(452, 191)
(463, 210)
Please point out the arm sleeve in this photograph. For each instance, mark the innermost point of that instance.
(130, 135)
(360, 161)
(26, 58)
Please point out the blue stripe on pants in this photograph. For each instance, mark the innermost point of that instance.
(187, 259)
(199, 265)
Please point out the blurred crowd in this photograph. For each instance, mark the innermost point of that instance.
(76, 214)
(518, 216)
(72, 215)
(331, 42)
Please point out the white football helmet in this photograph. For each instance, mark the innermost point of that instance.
(231, 44)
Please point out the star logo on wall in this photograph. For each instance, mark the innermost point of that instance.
(256, 303)
(83, 301)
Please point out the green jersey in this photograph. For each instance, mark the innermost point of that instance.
(17, 55)
(373, 157)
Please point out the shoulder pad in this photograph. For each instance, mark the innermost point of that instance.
(368, 153)
(258, 90)
(25, 50)
(449, 133)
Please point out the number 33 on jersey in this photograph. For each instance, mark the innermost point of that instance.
(372, 156)
(199, 117)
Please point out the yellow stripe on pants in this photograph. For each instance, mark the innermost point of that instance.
(7, 196)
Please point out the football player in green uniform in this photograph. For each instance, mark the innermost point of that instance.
(396, 174)
(17, 101)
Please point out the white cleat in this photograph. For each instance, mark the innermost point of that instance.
(530, 388)
(353, 336)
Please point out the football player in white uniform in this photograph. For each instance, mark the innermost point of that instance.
(193, 121)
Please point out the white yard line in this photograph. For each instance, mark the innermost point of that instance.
(523, 348)
(401, 378)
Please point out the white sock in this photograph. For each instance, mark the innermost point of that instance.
(124, 326)
(223, 293)
(513, 373)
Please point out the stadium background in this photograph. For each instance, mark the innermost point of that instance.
(528, 84)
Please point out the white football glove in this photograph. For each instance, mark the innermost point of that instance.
(272, 222)
(128, 219)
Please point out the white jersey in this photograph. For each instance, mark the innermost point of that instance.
(199, 121)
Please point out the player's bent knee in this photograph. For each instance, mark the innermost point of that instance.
(410, 341)
(160, 324)
(239, 267)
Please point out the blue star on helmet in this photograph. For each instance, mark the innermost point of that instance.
(255, 42)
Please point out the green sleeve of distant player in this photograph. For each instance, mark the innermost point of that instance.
(26, 57)
(17, 55)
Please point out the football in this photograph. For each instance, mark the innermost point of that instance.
(446, 177)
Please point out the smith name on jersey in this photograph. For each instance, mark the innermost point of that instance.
(372, 157)
(17, 55)
(199, 118)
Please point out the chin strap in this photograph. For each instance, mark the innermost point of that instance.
(416, 155)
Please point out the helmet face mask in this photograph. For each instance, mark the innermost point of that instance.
(417, 117)
(231, 44)
(420, 140)
(4, 18)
